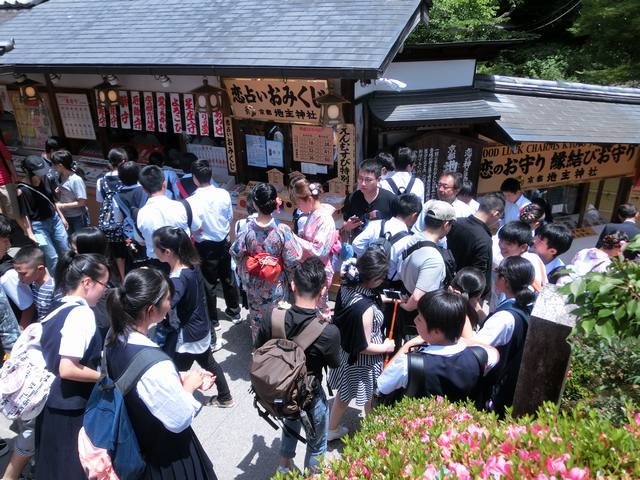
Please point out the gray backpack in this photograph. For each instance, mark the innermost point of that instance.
(279, 375)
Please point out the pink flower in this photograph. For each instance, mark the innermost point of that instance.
(381, 437)
(507, 448)
(526, 455)
(636, 418)
(514, 432)
(408, 470)
(425, 437)
(557, 465)
(460, 470)
(578, 473)
(478, 431)
(446, 437)
(496, 466)
(541, 476)
(430, 473)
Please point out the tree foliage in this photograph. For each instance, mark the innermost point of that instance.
(596, 42)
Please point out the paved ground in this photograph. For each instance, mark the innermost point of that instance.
(240, 444)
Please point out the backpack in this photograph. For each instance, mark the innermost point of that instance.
(25, 381)
(279, 376)
(406, 189)
(107, 445)
(449, 262)
(109, 186)
(385, 240)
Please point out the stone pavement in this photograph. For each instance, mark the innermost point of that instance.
(240, 444)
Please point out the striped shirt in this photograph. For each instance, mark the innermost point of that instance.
(44, 296)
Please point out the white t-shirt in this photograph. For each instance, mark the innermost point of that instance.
(402, 179)
(71, 190)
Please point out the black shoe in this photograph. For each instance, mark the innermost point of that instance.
(4, 447)
(233, 315)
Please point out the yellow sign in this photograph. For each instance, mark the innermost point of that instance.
(290, 101)
(543, 165)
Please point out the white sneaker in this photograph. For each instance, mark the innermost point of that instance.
(336, 434)
(218, 345)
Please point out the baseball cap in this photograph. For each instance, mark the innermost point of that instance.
(439, 210)
(35, 165)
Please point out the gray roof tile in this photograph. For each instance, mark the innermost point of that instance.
(418, 108)
(357, 35)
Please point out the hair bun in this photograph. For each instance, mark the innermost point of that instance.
(349, 271)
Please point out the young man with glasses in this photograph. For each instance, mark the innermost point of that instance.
(369, 201)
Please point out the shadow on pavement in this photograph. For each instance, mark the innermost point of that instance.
(261, 461)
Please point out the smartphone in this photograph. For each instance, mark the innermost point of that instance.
(393, 294)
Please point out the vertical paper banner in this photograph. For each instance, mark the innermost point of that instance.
(149, 116)
(218, 124)
(137, 111)
(161, 105)
(125, 115)
(345, 141)
(203, 120)
(189, 114)
(102, 114)
(176, 115)
(228, 142)
(113, 116)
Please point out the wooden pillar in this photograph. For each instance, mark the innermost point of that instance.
(546, 355)
(626, 183)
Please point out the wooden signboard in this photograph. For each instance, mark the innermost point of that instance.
(229, 144)
(437, 153)
(345, 143)
(543, 165)
(312, 144)
(33, 122)
(277, 100)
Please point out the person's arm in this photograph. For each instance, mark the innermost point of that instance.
(62, 218)
(80, 202)
(374, 348)
(406, 346)
(493, 355)
(72, 369)
(28, 316)
(9, 329)
(412, 302)
(323, 233)
(364, 239)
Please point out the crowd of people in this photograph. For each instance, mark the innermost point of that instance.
(449, 281)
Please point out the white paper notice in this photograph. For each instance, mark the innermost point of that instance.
(125, 115)
(256, 151)
(76, 115)
(161, 105)
(275, 153)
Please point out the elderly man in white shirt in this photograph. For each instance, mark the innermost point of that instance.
(159, 211)
(212, 215)
(449, 185)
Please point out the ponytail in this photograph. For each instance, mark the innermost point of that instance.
(73, 267)
(519, 275)
(141, 288)
(176, 240)
(64, 158)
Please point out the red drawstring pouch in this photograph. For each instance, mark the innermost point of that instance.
(264, 266)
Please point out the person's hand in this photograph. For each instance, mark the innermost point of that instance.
(353, 222)
(32, 236)
(191, 380)
(208, 379)
(389, 345)
(386, 299)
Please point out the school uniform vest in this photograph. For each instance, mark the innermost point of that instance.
(454, 377)
(158, 445)
(67, 394)
(192, 308)
(504, 375)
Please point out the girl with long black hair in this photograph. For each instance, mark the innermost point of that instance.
(161, 407)
(73, 191)
(174, 247)
(71, 345)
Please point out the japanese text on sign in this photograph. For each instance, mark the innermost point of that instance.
(102, 113)
(113, 116)
(137, 111)
(189, 115)
(312, 144)
(125, 116)
(176, 112)
(345, 140)
(161, 106)
(203, 120)
(292, 101)
(75, 115)
(149, 116)
(548, 164)
(228, 142)
(218, 125)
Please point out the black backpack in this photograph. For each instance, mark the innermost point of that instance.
(109, 186)
(385, 240)
(406, 189)
(447, 257)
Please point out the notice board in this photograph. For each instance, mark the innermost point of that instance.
(312, 144)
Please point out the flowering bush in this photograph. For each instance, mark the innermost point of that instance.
(434, 439)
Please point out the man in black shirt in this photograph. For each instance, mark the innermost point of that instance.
(43, 221)
(369, 202)
(307, 286)
(470, 238)
(627, 214)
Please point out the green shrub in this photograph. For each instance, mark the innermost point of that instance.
(432, 438)
(605, 375)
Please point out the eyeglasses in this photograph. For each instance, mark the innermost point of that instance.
(101, 283)
(444, 186)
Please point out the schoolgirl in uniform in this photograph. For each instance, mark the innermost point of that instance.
(161, 406)
(174, 247)
(71, 346)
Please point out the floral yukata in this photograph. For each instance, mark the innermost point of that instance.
(276, 240)
(319, 237)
